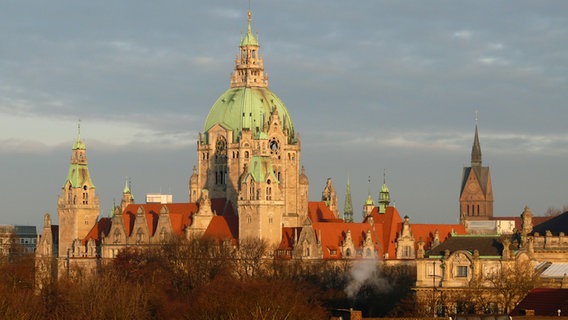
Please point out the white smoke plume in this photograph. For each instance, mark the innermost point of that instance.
(365, 272)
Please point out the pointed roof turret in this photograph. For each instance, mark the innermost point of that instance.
(384, 195)
(79, 145)
(126, 187)
(348, 206)
(249, 39)
(78, 175)
(476, 148)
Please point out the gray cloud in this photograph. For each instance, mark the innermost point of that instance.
(369, 84)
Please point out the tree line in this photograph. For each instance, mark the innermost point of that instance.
(202, 279)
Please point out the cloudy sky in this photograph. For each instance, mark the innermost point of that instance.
(371, 86)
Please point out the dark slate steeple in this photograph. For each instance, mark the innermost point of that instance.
(476, 148)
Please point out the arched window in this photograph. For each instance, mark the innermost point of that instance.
(348, 252)
(163, 235)
(368, 252)
(246, 154)
(249, 219)
(85, 195)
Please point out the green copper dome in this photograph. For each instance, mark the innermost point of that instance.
(248, 108)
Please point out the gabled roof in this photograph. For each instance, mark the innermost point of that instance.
(482, 174)
(260, 168)
(333, 235)
(544, 302)
(333, 230)
(390, 223)
(225, 227)
(221, 227)
(180, 216)
(486, 245)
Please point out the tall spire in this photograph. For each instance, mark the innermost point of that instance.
(348, 207)
(249, 66)
(79, 145)
(476, 148)
(369, 200)
(384, 195)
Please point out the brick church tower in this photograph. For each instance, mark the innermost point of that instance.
(476, 194)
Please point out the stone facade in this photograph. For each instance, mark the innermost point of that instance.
(251, 157)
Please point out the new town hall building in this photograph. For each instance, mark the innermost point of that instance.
(249, 183)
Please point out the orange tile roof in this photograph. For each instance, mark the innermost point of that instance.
(288, 240)
(224, 226)
(389, 223)
(333, 230)
(102, 226)
(426, 232)
(333, 234)
(180, 216)
(319, 211)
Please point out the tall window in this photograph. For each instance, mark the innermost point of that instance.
(85, 195)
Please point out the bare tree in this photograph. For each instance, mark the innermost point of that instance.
(513, 282)
(251, 254)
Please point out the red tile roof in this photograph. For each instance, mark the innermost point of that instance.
(180, 216)
(390, 225)
(225, 227)
(319, 211)
(221, 227)
(333, 230)
(102, 226)
(426, 232)
(544, 302)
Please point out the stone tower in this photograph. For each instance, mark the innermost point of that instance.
(476, 194)
(249, 153)
(78, 205)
